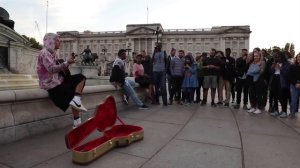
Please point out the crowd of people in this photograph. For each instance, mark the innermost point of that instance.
(262, 77)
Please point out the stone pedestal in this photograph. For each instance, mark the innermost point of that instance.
(87, 71)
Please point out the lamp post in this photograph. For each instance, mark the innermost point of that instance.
(128, 50)
(104, 50)
(157, 32)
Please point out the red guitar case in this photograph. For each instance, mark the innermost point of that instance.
(113, 135)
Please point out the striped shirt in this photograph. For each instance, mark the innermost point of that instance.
(176, 66)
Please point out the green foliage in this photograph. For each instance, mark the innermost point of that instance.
(34, 44)
(290, 47)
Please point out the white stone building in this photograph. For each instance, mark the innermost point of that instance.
(140, 37)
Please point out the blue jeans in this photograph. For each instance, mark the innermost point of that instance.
(128, 87)
(159, 79)
(295, 93)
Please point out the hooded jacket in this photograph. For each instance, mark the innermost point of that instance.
(47, 69)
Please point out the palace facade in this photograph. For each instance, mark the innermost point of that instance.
(138, 37)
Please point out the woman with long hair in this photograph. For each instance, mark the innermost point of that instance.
(254, 77)
(295, 86)
(190, 81)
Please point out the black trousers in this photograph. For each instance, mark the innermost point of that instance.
(284, 98)
(176, 87)
(198, 89)
(256, 94)
(274, 92)
(242, 87)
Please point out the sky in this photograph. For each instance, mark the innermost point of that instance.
(272, 22)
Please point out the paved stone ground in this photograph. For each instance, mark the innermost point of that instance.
(178, 137)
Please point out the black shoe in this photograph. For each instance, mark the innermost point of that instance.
(143, 107)
(171, 102)
(219, 103)
(237, 106)
(203, 103)
(213, 104)
(226, 104)
(292, 116)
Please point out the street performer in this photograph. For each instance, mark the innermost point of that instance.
(63, 88)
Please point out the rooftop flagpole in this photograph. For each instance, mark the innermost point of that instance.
(147, 11)
(47, 18)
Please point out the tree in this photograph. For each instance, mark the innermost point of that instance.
(290, 47)
(34, 44)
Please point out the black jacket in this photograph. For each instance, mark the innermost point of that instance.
(241, 67)
(117, 75)
(228, 68)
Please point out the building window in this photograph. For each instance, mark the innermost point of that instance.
(197, 46)
(216, 45)
(242, 45)
(189, 47)
(234, 44)
(173, 45)
(116, 47)
(227, 44)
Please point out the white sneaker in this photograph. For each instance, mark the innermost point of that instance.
(78, 105)
(76, 122)
(251, 110)
(283, 115)
(125, 99)
(257, 111)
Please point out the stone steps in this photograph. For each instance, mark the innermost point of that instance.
(18, 81)
(3, 71)
(17, 76)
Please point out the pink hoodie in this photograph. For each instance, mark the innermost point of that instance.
(47, 70)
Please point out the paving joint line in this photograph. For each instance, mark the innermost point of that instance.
(5, 165)
(161, 122)
(51, 158)
(131, 155)
(207, 143)
(241, 139)
(288, 126)
(280, 136)
(171, 138)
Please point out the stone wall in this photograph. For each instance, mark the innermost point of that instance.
(24, 113)
(23, 59)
